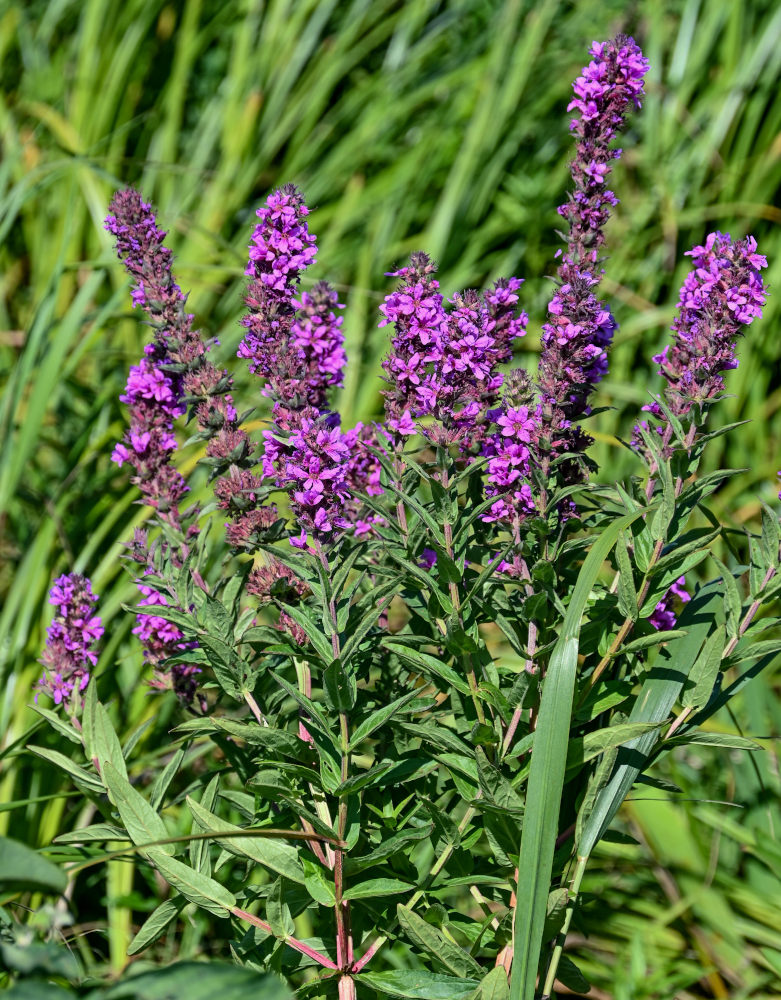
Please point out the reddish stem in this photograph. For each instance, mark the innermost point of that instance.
(292, 942)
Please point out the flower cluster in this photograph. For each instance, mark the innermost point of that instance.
(312, 466)
(444, 364)
(723, 293)
(69, 652)
(580, 327)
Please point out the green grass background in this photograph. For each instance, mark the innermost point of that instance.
(409, 125)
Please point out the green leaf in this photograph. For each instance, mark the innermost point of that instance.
(429, 940)
(426, 663)
(228, 667)
(39, 958)
(417, 985)
(164, 779)
(733, 605)
(387, 849)
(585, 748)
(377, 887)
(547, 769)
(314, 631)
(216, 619)
(278, 912)
(693, 541)
(666, 510)
(199, 981)
(703, 674)
(200, 856)
(198, 888)
(62, 727)
(97, 833)
(101, 740)
(156, 924)
(23, 869)
(359, 781)
(771, 536)
(274, 854)
(627, 595)
(655, 638)
(318, 884)
(662, 583)
(89, 782)
(426, 517)
(378, 718)
(425, 577)
(36, 989)
(494, 986)
(141, 821)
(554, 913)
(316, 718)
(728, 740)
(571, 976)
(339, 687)
(279, 740)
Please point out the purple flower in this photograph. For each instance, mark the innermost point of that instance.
(723, 293)
(68, 653)
(428, 558)
(280, 249)
(663, 618)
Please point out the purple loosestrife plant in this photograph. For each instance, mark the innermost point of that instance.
(69, 652)
(392, 704)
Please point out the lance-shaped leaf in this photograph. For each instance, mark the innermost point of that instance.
(193, 885)
(274, 854)
(144, 825)
(430, 940)
(156, 924)
(703, 674)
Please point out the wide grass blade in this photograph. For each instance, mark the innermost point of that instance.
(546, 774)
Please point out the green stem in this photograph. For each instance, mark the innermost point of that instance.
(558, 949)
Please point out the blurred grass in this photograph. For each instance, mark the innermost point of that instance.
(418, 124)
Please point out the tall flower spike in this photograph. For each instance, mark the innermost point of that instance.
(69, 650)
(721, 295)
(580, 327)
(295, 343)
(175, 372)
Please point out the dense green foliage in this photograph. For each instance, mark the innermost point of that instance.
(408, 125)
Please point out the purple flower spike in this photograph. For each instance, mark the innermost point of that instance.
(580, 327)
(69, 652)
(722, 294)
(175, 371)
(281, 248)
